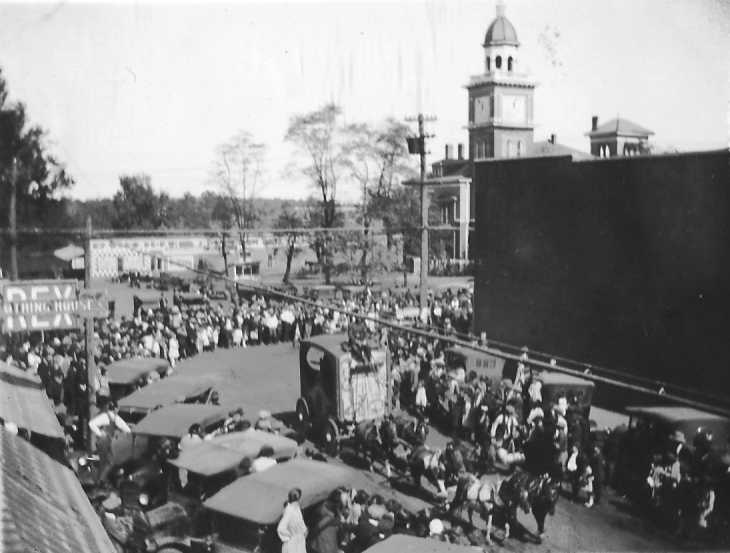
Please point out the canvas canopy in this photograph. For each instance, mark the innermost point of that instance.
(226, 452)
(23, 402)
(174, 420)
(127, 371)
(175, 389)
(260, 497)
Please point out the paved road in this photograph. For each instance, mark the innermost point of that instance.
(266, 377)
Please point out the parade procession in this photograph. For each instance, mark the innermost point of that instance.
(306, 339)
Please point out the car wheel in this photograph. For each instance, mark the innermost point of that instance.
(302, 410)
(331, 436)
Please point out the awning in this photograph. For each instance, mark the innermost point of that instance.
(24, 402)
(42, 505)
(68, 253)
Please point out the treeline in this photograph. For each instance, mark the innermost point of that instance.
(329, 155)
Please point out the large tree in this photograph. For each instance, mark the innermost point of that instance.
(289, 218)
(317, 137)
(138, 206)
(237, 170)
(377, 159)
(30, 175)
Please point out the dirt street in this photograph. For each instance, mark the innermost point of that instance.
(266, 377)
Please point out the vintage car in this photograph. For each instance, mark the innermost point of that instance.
(145, 481)
(649, 435)
(136, 406)
(242, 517)
(177, 389)
(204, 469)
(147, 299)
(484, 364)
(577, 391)
(339, 391)
(128, 375)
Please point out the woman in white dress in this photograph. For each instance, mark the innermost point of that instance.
(291, 529)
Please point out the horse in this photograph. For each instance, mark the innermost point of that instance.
(536, 494)
(429, 463)
(459, 457)
(412, 430)
(377, 441)
(481, 495)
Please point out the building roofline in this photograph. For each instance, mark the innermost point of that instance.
(613, 159)
(438, 181)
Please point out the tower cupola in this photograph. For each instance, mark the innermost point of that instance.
(500, 44)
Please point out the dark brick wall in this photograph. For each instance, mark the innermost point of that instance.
(623, 262)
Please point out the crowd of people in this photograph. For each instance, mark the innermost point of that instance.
(501, 419)
(178, 330)
(354, 520)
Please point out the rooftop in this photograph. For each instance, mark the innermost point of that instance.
(620, 127)
(501, 31)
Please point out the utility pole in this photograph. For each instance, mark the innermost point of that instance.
(417, 145)
(13, 220)
(89, 338)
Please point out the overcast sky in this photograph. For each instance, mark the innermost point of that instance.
(155, 87)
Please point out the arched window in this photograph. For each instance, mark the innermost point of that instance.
(489, 63)
(510, 152)
(498, 62)
(519, 148)
(509, 63)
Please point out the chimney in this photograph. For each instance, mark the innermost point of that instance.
(594, 122)
(447, 153)
(552, 139)
(460, 152)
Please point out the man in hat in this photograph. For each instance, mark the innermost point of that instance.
(267, 423)
(102, 427)
(265, 459)
(678, 447)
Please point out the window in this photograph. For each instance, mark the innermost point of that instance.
(519, 148)
(489, 63)
(509, 63)
(510, 152)
(498, 62)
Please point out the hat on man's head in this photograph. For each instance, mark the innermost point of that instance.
(677, 436)
(435, 527)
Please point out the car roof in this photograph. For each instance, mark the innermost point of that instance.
(127, 371)
(225, 452)
(401, 543)
(260, 497)
(556, 378)
(174, 420)
(173, 389)
(673, 414)
(468, 352)
(331, 343)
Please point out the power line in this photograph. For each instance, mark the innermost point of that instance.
(217, 232)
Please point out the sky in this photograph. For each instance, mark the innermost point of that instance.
(156, 87)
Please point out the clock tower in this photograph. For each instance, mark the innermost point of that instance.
(501, 98)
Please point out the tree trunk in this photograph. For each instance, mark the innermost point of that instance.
(289, 257)
(225, 254)
(364, 255)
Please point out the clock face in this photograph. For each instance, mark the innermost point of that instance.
(482, 109)
(514, 109)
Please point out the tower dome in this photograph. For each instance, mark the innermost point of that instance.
(501, 32)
